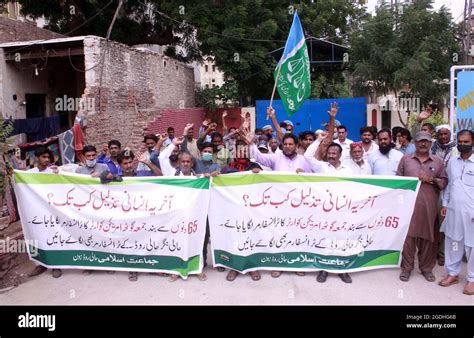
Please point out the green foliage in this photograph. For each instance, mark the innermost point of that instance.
(324, 87)
(6, 129)
(435, 119)
(212, 98)
(413, 49)
(244, 36)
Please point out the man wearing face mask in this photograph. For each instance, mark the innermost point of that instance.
(206, 164)
(384, 161)
(421, 235)
(91, 167)
(356, 162)
(458, 208)
(445, 150)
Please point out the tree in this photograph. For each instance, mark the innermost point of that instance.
(211, 98)
(411, 49)
(244, 36)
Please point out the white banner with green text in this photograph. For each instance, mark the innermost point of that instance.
(287, 222)
(154, 224)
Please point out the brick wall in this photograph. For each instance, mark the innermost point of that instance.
(137, 86)
(13, 30)
(177, 118)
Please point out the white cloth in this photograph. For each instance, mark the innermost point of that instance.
(36, 170)
(443, 126)
(453, 253)
(373, 147)
(346, 149)
(385, 164)
(323, 167)
(165, 164)
(280, 162)
(458, 198)
(357, 169)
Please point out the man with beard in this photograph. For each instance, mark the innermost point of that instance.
(287, 160)
(458, 208)
(169, 157)
(356, 163)
(421, 233)
(368, 144)
(384, 161)
(445, 150)
(443, 147)
(332, 164)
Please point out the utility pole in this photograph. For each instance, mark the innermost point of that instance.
(467, 31)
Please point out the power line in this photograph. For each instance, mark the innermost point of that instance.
(166, 16)
(70, 32)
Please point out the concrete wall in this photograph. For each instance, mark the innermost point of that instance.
(19, 78)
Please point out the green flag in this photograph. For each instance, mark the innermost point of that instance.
(294, 80)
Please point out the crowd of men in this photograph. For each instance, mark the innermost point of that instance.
(442, 224)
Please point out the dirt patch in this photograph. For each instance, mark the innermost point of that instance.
(15, 272)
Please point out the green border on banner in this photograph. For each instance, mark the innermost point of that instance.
(236, 180)
(40, 178)
(65, 257)
(368, 259)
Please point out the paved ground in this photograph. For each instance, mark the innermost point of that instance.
(377, 287)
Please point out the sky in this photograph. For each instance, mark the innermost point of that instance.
(456, 7)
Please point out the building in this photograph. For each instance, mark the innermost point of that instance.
(207, 74)
(116, 89)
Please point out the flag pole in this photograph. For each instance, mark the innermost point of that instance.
(274, 87)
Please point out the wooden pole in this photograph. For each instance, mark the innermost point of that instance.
(274, 87)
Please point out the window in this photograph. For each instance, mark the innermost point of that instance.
(206, 67)
(214, 68)
(207, 86)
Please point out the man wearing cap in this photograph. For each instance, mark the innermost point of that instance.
(421, 233)
(443, 147)
(356, 162)
(268, 131)
(290, 128)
